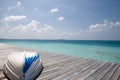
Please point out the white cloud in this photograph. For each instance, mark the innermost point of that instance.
(31, 28)
(107, 25)
(60, 18)
(46, 28)
(18, 5)
(105, 31)
(54, 10)
(13, 18)
(36, 9)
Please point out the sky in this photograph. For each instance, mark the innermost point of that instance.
(60, 19)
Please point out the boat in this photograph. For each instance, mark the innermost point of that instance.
(23, 66)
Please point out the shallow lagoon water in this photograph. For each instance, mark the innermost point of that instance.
(101, 50)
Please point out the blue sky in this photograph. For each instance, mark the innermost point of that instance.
(60, 19)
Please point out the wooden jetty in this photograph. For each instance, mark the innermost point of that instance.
(61, 67)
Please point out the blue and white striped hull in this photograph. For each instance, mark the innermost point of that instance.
(23, 66)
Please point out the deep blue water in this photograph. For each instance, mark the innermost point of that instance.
(95, 49)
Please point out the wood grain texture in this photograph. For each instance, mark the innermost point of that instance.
(62, 67)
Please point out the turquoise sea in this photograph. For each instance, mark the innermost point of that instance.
(95, 49)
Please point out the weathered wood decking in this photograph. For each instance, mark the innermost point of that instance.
(61, 67)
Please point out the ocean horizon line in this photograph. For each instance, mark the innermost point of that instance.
(62, 39)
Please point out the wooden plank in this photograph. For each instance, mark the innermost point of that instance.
(89, 71)
(116, 74)
(97, 72)
(2, 76)
(61, 67)
(75, 77)
(67, 75)
(68, 64)
(62, 70)
(62, 63)
(103, 72)
(110, 72)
